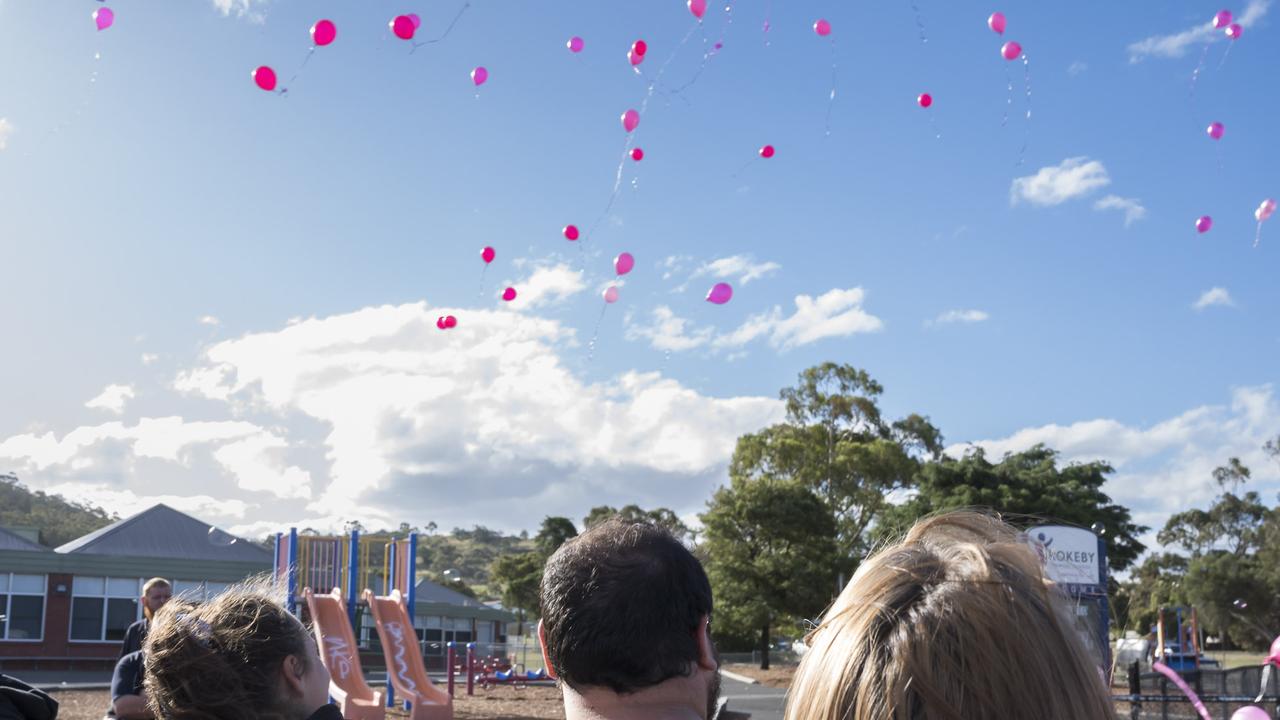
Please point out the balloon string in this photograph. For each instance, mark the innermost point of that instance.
(1182, 685)
(285, 88)
(448, 30)
(1008, 105)
(483, 270)
(1258, 236)
(831, 97)
(591, 346)
(1226, 54)
(745, 165)
(707, 54)
(768, 15)
(1026, 136)
(1195, 74)
(915, 9)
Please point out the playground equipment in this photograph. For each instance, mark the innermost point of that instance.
(341, 655)
(489, 672)
(405, 669)
(1183, 654)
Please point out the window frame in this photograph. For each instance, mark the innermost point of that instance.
(105, 597)
(7, 609)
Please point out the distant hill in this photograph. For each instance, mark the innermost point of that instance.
(60, 520)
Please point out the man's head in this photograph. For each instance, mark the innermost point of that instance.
(626, 607)
(155, 593)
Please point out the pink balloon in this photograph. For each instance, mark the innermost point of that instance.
(265, 77)
(611, 295)
(1222, 19)
(1215, 130)
(571, 232)
(925, 100)
(630, 119)
(623, 263)
(575, 44)
(103, 18)
(1263, 212)
(639, 47)
(822, 27)
(637, 154)
(720, 293)
(403, 27)
(766, 152)
(323, 32)
(509, 294)
(1251, 712)
(1011, 50)
(1203, 223)
(450, 321)
(440, 322)
(413, 18)
(479, 75)
(1234, 31)
(487, 255)
(633, 58)
(1274, 657)
(996, 22)
(698, 8)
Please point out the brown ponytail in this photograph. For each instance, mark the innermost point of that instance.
(220, 660)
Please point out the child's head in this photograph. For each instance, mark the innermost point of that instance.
(956, 621)
(240, 656)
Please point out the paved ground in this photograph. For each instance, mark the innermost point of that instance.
(764, 703)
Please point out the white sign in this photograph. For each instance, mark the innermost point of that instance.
(1070, 555)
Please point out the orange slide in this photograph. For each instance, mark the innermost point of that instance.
(404, 659)
(337, 644)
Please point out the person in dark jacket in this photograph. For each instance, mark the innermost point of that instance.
(20, 701)
(128, 698)
(155, 593)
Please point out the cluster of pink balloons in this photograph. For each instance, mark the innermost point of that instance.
(636, 54)
(1222, 21)
(104, 18)
(1010, 50)
(446, 322)
(323, 33)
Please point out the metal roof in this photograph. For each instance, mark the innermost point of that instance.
(430, 592)
(162, 532)
(13, 541)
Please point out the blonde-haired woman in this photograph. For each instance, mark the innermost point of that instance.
(155, 593)
(955, 622)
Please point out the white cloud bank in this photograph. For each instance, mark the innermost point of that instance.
(967, 317)
(1131, 207)
(6, 129)
(1053, 185)
(113, 398)
(1212, 297)
(1176, 44)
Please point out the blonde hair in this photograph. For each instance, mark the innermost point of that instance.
(220, 660)
(146, 588)
(954, 622)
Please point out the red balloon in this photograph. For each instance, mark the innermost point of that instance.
(450, 321)
(925, 100)
(440, 322)
(265, 77)
(637, 154)
(323, 32)
(766, 151)
(403, 27)
(639, 47)
(509, 294)
(487, 255)
(571, 232)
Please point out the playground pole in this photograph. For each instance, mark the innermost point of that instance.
(293, 570)
(449, 659)
(411, 576)
(353, 578)
(389, 584)
(471, 668)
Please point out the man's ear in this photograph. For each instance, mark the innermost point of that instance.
(546, 659)
(706, 650)
(291, 672)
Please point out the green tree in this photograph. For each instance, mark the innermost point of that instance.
(555, 532)
(769, 549)
(59, 520)
(518, 577)
(1024, 485)
(836, 442)
(634, 513)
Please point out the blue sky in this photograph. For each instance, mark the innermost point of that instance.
(321, 234)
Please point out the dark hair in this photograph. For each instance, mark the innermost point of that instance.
(220, 660)
(621, 604)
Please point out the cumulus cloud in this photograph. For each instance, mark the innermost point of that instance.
(1175, 45)
(669, 332)
(744, 268)
(241, 9)
(149, 358)
(835, 313)
(1077, 68)
(1131, 207)
(1165, 467)
(6, 129)
(1053, 185)
(1213, 296)
(112, 399)
(547, 285)
(960, 316)
(209, 320)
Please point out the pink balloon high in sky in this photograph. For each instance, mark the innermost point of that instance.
(509, 294)
(403, 27)
(1215, 130)
(1222, 19)
(1011, 50)
(1203, 223)
(996, 22)
(103, 18)
(610, 294)
(630, 120)
(766, 152)
(698, 8)
(571, 232)
(265, 78)
(479, 76)
(720, 293)
(925, 100)
(575, 44)
(487, 255)
(822, 27)
(323, 32)
(623, 263)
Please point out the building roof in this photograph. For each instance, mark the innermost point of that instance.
(10, 540)
(162, 532)
(430, 592)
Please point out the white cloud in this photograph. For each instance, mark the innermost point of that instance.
(546, 285)
(836, 313)
(209, 320)
(674, 264)
(128, 502)
(960, 316)
(241, 8)
(669, 332)
(1175, 45)
(1056, 184)
(1076, 68)
(743, 267)
(149, 358)
(1166, 467)
(112, 398)
(6, 129)
(1213, 296)
(1131, 207)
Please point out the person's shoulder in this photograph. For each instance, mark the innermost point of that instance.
(139, 626)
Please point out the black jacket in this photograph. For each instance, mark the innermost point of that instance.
(20, 701)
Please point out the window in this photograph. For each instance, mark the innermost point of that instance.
(102, 609)
(22, 606)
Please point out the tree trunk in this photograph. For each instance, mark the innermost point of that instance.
(764, 646)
